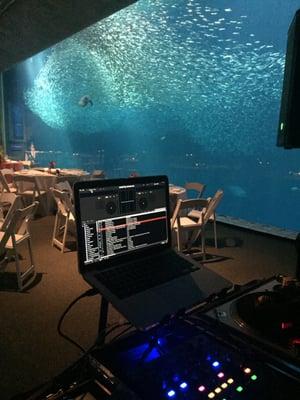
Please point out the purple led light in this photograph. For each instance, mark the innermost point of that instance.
(201, 388)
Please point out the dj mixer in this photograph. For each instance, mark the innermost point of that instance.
(241, 345)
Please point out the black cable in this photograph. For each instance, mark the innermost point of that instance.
(90, 292)
(110, 330)
(121, 334)
(5, 7)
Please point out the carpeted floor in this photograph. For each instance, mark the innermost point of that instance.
(31, 351)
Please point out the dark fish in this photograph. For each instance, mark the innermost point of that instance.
(84, 101)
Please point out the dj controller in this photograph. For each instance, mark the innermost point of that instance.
(243, 344)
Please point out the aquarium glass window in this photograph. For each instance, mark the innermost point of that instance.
(190, 89)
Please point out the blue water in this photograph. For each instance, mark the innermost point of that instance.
(188, 88)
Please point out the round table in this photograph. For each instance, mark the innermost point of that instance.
(45, 180)
(14, 165)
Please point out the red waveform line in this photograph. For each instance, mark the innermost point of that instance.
(145, 221)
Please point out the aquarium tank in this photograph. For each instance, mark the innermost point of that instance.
(190, 89)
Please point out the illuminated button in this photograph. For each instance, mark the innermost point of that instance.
(171, 393)
(224, 385)
(254, 377)
(247, 370)
(230, 381)
(183, 385)
(216, 364)
(239, 389)
(218, 390)
(221, 375)
(286, 325)
(211, 395)
(201, 388)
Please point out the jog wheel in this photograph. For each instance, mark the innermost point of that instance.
(111, 207)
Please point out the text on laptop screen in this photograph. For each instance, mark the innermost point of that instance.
(120, 219)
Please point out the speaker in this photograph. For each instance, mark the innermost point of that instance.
(289, 120)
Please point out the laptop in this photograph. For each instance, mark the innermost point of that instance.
(125, 250)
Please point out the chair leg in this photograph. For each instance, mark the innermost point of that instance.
(18, 269)
(215, 232)
(30, 252)
(179, 243)
(43, 200)
(65, 234)
(55, 229)
(30, 271)
(203, 249)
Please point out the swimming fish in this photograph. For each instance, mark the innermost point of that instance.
(85, 100)
(237, 191)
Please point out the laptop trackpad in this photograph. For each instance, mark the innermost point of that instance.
(155, 304)
(163, 301)
(184, 292)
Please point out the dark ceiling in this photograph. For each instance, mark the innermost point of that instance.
(30, 26)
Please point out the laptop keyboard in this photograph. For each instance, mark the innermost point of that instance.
(136, 277)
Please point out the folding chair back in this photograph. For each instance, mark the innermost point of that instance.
(14, 202)
(64, 186)
(195, 187)
(17, 232)
(212, 206)
(63, 201)
(4, 183)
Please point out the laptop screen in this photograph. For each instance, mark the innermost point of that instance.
(120, 218)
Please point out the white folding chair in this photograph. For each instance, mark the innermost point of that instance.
(64, 186)
(64, 219)
(200, 212)
(6, 186)
(9, 202)
(16, 233)
(214, 202)
(28, 188)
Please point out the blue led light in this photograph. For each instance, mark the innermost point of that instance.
(171, 393)
(216, 364)
(183, 385)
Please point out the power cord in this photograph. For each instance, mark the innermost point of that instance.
(88, 293)
(102, 335)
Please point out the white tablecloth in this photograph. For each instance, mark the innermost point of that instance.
(46, 180)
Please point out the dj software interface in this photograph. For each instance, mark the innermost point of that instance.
(120, 219)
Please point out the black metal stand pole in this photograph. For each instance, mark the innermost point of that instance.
(102, 320)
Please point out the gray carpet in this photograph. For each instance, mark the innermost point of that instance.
(31, 349)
